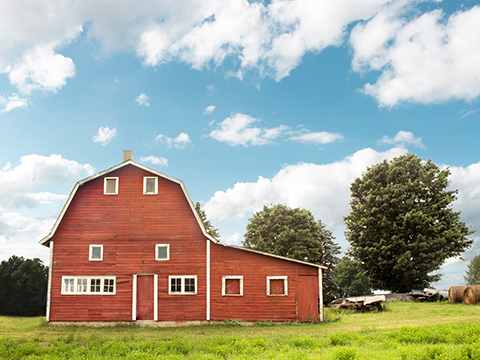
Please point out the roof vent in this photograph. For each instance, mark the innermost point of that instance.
(127, 155)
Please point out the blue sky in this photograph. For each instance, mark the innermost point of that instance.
(249, 103)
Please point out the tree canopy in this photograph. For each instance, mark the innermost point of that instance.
(401, 225)
(472, 274)
(294, 233)
(280, 230)
(206, 223)
(23, 286)
(350, 280)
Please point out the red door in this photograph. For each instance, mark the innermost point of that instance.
(145, 297)
(307, 298)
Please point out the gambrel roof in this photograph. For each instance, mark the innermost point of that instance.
(46, 239)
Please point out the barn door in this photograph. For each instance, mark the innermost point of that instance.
(145, 297)
(307, 298)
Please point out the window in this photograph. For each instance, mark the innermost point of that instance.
(95, 285)
(150, 185)
(277, 286)
(88, 285)
(96, 253)
(162, 252)
(182, 285)
(232, 285)
(82, 285)
(108, 285)
(110, 186)
(68, 285)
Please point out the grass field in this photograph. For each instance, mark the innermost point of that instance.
(404, 331)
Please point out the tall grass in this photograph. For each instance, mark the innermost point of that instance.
(405, 331)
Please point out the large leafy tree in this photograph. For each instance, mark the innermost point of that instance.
(350, 279)
(401, 224)
(472, 275)
(23, 286)
(211, 230)
(294, 233)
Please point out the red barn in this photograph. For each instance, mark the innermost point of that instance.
(129, 245)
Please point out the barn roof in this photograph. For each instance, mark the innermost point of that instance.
(47, 238)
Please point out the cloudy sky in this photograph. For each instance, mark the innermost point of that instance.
(248, 102)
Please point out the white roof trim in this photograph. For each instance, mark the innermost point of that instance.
(272, 255)
(116, 167)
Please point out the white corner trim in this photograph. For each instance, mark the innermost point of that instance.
(155, 297)
(208, 280)
(49, 290)
(320, 293)
(134, 298)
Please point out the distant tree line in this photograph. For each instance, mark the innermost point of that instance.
(23, 287)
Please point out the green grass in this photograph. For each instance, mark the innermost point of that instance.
(404, 331)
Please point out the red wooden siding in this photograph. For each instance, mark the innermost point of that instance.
(255, 305)
(128, 225)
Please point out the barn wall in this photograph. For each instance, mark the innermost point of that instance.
(128, 225)
(255, 305)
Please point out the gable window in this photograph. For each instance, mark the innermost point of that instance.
(96, 253)
(162, 252)
(182, 285)
(232, 285)
(88, 285)
(150, 185)
(110, 186)
(277, 286)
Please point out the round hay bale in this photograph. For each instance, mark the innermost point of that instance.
(476, 288)
(469, 297)
(455, 294)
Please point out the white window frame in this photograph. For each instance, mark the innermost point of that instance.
(182, 291)
(224, 284)
(105, 185)
(77, 285)
(168, 252)
(145, 185)
(90, 252)
(285, 285)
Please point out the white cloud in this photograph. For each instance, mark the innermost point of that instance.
(13, 102)
(234, 239)
(238, 130)
(142, 100)
(403, 138)
(429, 59)
(17, 185)
(160, 161)
(209, 110)
(424, 59)
(323, 189)
(41, 69)
(321, 137)
(104, 135)
(180, 142)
